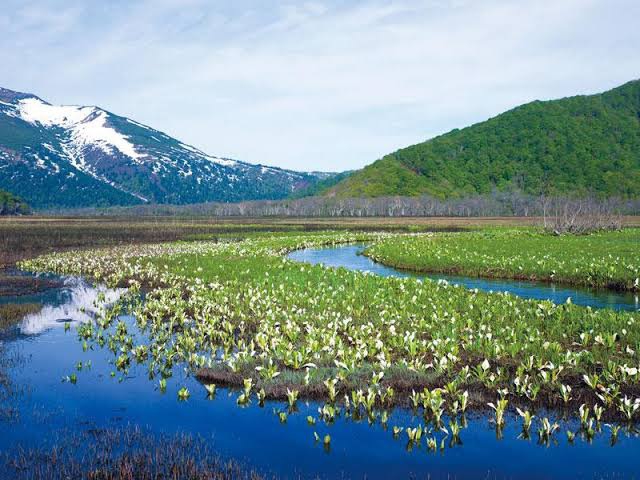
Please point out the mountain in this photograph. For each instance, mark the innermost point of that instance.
(12, 205)
(75, 156)
(581, 144)
(320, 187)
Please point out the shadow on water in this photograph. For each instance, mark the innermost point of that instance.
(49, 411)
(350, 257)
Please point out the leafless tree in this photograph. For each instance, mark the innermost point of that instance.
(558, 213)
(580, 215)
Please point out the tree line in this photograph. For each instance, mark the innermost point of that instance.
(493, 205)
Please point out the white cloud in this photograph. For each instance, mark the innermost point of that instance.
(315, 85)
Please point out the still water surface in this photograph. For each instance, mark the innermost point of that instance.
(41, 353)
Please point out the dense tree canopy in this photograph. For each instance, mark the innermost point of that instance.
(581, 145)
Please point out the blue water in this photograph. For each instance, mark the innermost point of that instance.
(349, 256)
(43, 353)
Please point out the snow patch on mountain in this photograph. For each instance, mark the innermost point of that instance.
(88, 125)
(34, 110)
(200, 153)
(94, 130)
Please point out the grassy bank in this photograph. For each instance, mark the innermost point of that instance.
(26, 237)
(360, 342)
(600, 260)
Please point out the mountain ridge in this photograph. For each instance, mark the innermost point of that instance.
(75, 156)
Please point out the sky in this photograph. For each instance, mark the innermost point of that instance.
(316, 85)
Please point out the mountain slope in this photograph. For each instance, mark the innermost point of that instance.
(582, 144)
(72, 156)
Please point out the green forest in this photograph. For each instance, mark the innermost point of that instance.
(12, 205)
(578, 145)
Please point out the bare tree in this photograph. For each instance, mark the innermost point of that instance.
(580, 215)
(561, 214)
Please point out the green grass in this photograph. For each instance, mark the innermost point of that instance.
(602, 260)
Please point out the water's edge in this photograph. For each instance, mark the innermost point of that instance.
(350, 257)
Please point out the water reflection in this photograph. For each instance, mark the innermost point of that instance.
(79, 303)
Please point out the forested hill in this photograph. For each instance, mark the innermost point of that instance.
(582, 144)
(12, 205)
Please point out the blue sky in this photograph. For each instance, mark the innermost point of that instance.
(317, 85)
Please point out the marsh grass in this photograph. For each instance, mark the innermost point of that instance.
(599, 260)
(222, 309)
(14, 285)
(25, 237)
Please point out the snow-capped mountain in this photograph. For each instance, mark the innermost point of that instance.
(73, 156)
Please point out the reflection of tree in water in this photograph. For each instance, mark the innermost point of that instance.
(12, 313)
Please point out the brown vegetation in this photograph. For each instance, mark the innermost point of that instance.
(496, 204)
(26, 237)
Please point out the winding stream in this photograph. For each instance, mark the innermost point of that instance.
(349, 256)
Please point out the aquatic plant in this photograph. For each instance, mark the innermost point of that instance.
(499, 408)
(331, 383)
(615, 429)
(268, 372)
(527, 418)
(414, 434)
(211, 389)
(183, 394)
(432, 444)
(292, 397)
(455, 428)
(261, 394)
(245, 397)
(629, 407)
(598, 411)
(565, 393)
(547, 429)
